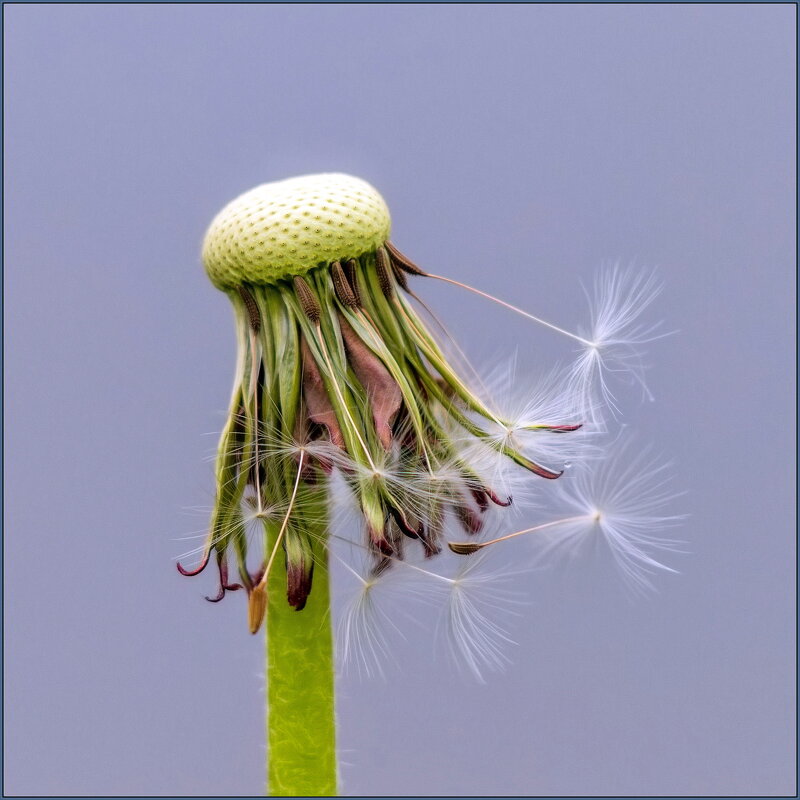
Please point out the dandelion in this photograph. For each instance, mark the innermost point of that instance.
(336, 372)
(340, 386)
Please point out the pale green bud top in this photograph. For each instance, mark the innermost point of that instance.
(286, 228)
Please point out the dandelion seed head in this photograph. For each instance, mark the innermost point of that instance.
(287, 227)
(349, 413)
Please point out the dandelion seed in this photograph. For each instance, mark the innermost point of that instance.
(475, 620)
(622, 504)
(365, 625)
(544, 419)
(616, 339)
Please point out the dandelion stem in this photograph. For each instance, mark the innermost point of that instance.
(584, 342)
(301, 731)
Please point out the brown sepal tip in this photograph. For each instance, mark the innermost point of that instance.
(192, 572)
(404, 263)
(256, 607)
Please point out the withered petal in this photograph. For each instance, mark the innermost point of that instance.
(382, 390)
(320, 409)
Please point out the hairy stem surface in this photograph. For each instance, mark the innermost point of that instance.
(301, 726)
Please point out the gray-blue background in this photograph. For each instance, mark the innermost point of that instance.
(518, 147)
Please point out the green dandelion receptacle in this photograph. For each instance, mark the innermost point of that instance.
(287, 228)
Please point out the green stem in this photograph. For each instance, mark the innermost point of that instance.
(301, 726)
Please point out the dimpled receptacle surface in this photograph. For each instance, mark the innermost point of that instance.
(286, 228)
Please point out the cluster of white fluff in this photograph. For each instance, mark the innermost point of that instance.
(612, 494)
